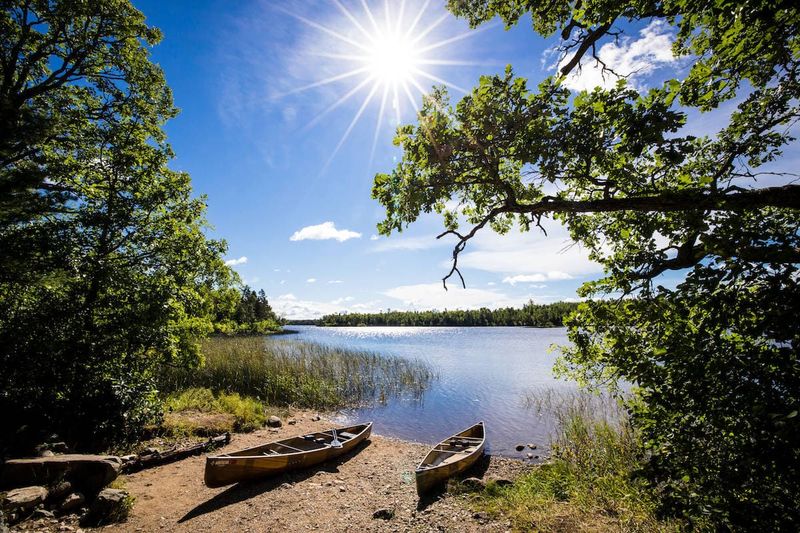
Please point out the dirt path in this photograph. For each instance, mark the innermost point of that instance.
(339, 496)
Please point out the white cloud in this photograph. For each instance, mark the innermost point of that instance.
(553, 275)
(233, 262)
(373, 237)
(289, 306)
(335, 281)
(532, 252)
(422, 242)
(433, 296)
(491, 284)
(324, 231)
(311, 280)
(632, 58)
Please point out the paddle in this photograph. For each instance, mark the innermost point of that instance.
(335, 443)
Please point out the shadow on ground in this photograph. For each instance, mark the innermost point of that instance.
(476, 470)
(246, 490)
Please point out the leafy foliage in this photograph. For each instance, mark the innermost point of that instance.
(715, 358)
(531, 314)
(105, 271)
(244, 312)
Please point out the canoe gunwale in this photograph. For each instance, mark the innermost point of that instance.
(429, 476)
(323, 447)
(227, 469)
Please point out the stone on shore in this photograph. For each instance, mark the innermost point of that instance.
(274, 422)
(110, 506)
(25, 498)
(386, 513)
(519, 447)
(72, 502)
(90, 473)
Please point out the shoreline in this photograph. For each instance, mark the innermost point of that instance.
(341, 495)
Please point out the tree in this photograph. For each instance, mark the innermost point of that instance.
(105, 271)
(715, 359)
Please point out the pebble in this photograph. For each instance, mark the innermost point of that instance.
(531, 446)
(520, 447)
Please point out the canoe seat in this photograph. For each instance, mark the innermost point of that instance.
(346, 434)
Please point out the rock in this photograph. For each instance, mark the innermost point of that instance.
(342, 489)
(90, 473)
(55, 447)
(274, 430)
(25, 498)
(531, 446)
(473, 483)
(519, 447)
(43, 513)
(501, 481)
(291, 421)
(110, 506)
(530, 456)
(59, 490)
(46, 453)
(274, 422)
(480, 516)
(129, 458)
(286, 485)
(316, 418)
(386, 513)
(72, 502)
(151, 451)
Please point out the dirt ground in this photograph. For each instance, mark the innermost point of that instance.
(341, 495)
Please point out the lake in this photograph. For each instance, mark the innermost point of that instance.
(483, 374)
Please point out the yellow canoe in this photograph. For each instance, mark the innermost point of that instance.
(281, 456)
(450, 457)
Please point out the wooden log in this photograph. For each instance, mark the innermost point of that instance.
(174, 454)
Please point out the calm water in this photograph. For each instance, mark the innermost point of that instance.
(483, 374)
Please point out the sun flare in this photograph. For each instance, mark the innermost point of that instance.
(393, 59)
(388, 57)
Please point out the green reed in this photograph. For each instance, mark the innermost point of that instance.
(302, 374)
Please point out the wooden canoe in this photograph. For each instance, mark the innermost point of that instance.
(450, 457)
(280, 456)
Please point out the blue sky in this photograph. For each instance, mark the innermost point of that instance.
(290, 192)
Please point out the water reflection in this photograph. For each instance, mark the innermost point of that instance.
(483, 374)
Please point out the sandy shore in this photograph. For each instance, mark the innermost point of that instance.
(338, 496)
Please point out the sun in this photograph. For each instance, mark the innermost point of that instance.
(393, 59)
(387, 56)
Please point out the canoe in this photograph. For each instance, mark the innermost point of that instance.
(450, 457)
(281, 456)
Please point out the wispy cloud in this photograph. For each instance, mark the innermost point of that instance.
(634, 59)
(553, 275)
(324, 231)
(422, 242)
(530, 253)
(433, 296)
(233, 262)
(335, 281)
(311, 280)
(290, 306)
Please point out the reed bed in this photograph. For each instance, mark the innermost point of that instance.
(302, 374)
(590, 481)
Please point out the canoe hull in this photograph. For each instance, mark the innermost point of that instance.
(242, 466)
(429, 478)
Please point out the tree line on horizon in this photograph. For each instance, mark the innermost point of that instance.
(531, 314)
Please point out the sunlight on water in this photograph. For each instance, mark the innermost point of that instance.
(483, 374)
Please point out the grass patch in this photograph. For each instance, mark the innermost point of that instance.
(588, 484)
(200, 411)
(278, 372)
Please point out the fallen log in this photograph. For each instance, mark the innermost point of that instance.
(157, 458)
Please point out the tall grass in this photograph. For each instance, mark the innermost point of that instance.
(589, 483)
(302, 374)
